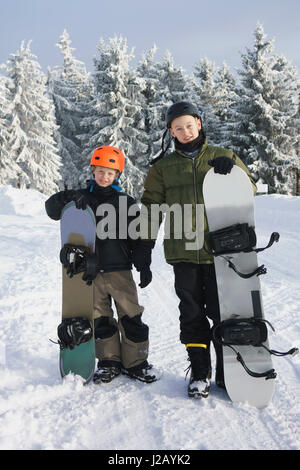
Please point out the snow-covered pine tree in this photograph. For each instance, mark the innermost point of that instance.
(32, 123)
(72, 92)
(297, 147)
(153, 104)
(210, 94)
(9, 169)
(227, 91)
(174, 85)
(286, 86)
(259, 125)
(112, 119)
(136, 133)
(174, 81)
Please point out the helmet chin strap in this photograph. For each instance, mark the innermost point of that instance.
(115, 184)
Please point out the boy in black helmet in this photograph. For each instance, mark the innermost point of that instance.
(177, 179)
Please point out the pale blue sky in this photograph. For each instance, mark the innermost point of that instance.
(189, 29)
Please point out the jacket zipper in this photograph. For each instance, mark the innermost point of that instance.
(196, 202)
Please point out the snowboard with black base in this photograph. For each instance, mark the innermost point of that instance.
(76, 331)
(243, 332)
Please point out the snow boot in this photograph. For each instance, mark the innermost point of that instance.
(142, 372)
(200, 367)
(106, 373)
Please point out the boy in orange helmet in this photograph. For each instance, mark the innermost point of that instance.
(123, 345)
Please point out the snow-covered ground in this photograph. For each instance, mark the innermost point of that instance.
(40, 411)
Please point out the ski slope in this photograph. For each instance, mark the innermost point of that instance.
(39, 411)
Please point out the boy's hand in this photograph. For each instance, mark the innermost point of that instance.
(145, 277)
(222, 165)
(89, 278)
(141, 256)
(80, 200)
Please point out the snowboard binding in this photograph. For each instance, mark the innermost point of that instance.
(73, 332)
(247, 332)
(77, 259)
(238, 238)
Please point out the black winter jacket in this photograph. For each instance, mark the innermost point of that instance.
(113, 254)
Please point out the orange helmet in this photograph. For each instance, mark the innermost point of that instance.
(109, 157)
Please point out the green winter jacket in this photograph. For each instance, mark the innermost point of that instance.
(178, 179)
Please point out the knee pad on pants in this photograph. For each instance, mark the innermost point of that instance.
(135, 343)
(134, 329)
(105, 327)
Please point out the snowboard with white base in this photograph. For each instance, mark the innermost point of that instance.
(228, 200)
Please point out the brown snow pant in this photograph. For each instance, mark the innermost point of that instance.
(124, 341)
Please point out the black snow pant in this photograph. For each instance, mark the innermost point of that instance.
(196, 287)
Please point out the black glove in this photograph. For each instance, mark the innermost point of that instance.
(141, 256)
(91, 270)
(145, 277)
(89, 278)
(75, 195)
(222, 165)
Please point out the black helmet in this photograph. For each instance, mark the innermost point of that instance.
(180, 109)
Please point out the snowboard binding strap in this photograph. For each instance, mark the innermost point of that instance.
(247, 332)
(257, 272)
(77, 259)
(73, 332)
(269, 374)
(238, 238)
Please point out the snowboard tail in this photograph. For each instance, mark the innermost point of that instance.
(78, 361)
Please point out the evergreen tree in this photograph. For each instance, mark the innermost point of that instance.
(114, 118)
(72, 92)
(206, 97)
(227, 92)
(136, 134)
(153, 104)
(174, 81)
(215, 92)
(32, 123)
(286, 86)
(9, 169)
(297, 148)
(260, 121)
(175, 85)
